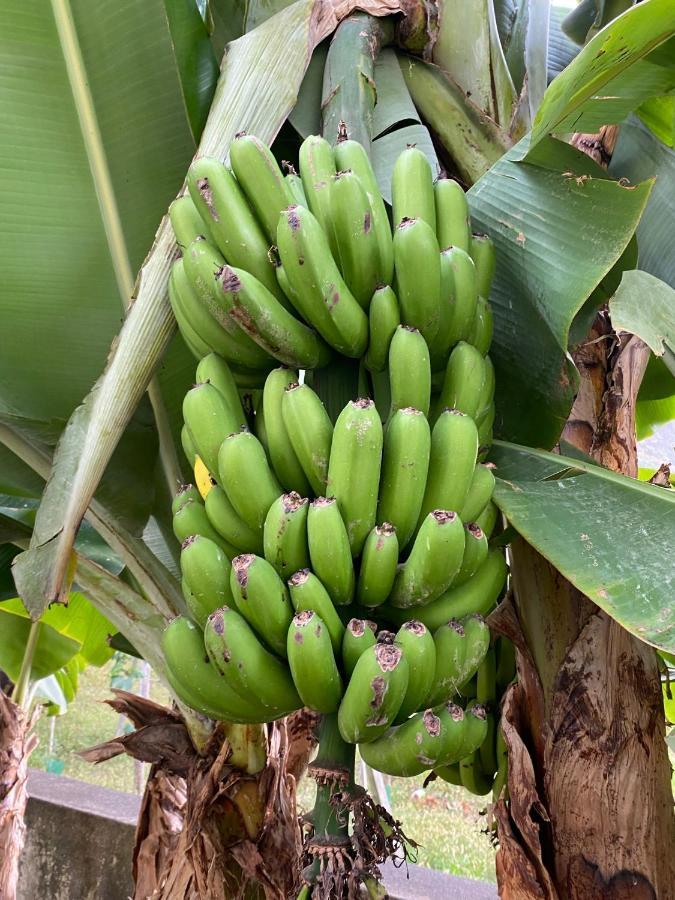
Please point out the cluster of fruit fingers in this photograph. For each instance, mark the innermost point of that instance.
(299, 522)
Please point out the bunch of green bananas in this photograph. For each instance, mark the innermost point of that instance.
(305, 539)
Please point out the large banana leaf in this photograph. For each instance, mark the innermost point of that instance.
(594, 90)
(604, 532)
(645, 305)
(259, 83)
(559, 227)
(53, 649)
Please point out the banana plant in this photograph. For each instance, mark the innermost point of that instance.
(564, 232)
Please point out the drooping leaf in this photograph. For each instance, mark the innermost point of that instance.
(594, 72)
(558, 227)
(645, 305)
(196, 61)
(610, 535)
(52, 652)
(658, 114)
(78, 620)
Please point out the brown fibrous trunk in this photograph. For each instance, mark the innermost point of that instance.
(17, 742)
(208, 830)
(590, 809)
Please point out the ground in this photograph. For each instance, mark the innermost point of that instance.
(444, 818)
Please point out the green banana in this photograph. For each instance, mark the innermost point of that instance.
(191, 519)
(502, 752)
(319, 291)
(486, 693)
(464, 293)
(417, 263)
(487, 395)
(452, 460)
(405, 461)
(216, 371)
(246, 477)
(479, 594)
(248, 668)
(433, 563)
(206, 570)
(231, 224)
(262, 599)
(186, 221)
(409, 370)
(475, 730)
(261, 179)
(412, 188)
(196, 681)
(419, 650)
(452, 717)
(329, 549)
(408, 749)
(317, 168)
(260, 315)
(355, 237)
(473, 777)
(312, 662)
(439, 347)
(378, 566)
(488, 519)
(188, 445)
(359, 636)
(477, 644)
(310, 432)
(285, 534)
(485, 259)
(294, 184)
(185, 492)
(480, 335)
(480, 492)
(475, 553)
(449, 773)
(485, 432)
(286, 465)
(229, 524)
(453, 222)
(354, 468)
(307, 593)
(450, 643)
(384, 317)
(374, 694)
(202, 332)
(259, 428)
(207, 310)
(506, 663)
(463, 382)
(352, 155)
(210, 420)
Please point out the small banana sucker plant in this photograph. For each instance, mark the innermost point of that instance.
(556, 124)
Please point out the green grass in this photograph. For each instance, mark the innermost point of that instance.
(445, 820)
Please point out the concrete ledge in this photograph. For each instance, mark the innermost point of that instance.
(80, 838)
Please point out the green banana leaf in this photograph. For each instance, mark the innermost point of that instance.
(53, 649)
(561, 50)
(77, 620)
(658, 114)
(645, 305)
(637, 153)
(258, 87)
(604, 532)
(592, 89)
(559, 227)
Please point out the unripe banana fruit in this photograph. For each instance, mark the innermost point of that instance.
(374, 694)
(307, 593)
(312, 663)
(359, 636)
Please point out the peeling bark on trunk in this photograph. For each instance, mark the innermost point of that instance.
(17, 742)
(230, 834)
(590, 815)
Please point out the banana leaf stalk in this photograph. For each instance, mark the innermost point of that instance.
(349, 94)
